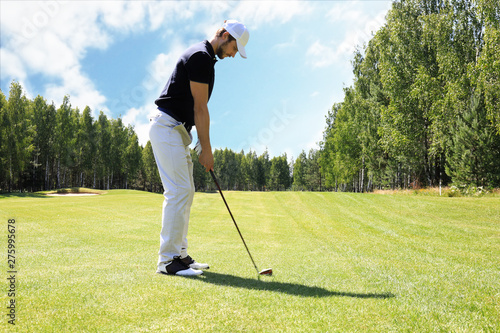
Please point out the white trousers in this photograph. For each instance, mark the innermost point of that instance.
(170, 142)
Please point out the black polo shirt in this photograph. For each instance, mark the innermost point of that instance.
(196, 64)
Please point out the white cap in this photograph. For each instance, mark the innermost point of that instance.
(240, 33)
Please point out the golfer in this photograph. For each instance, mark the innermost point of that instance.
(182, 105)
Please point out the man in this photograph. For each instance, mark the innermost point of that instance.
(182, 105)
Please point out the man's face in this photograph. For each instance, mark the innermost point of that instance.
(227, 49)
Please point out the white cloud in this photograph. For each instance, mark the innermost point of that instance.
(359, 27)
(81, 90)
(139, 119)
(52, 37)
(142, 131)
(160, 69)
(11, 66)
(321, 55)
(48, 54)
(130, 117)
(360, 35)
(256, 13)
(347, 11)
(21, 20)
(128, 16)
(162, 13)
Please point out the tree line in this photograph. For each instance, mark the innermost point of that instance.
(44, 147)
(424, 108)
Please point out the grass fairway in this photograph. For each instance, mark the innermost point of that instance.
(342, 263)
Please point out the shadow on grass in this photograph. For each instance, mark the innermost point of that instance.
(281, 287)
(23, 195)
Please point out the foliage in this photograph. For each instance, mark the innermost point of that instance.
(44, 147)
(424, 107)
(466, 191)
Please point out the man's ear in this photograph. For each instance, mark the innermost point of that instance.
(225, 35)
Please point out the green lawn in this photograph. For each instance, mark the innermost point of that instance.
(342, 263)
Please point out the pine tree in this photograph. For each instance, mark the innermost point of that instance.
(474, 148)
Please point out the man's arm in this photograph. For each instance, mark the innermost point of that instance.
(202, 123)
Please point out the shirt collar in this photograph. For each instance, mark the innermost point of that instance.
(210, 50)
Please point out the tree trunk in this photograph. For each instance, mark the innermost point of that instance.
(363, 176)
(46, 178)
(64, 178)
(58, 173)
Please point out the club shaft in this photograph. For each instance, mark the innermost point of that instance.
(235, 224)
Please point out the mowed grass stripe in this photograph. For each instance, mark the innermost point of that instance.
(342, 262)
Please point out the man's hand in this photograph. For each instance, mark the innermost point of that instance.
(207, 160)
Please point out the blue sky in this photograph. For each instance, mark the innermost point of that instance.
(116, 56)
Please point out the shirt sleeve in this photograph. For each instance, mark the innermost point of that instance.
(198, 67)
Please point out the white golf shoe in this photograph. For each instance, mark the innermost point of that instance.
(193, 264)
(177, 267)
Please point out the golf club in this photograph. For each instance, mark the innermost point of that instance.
(268, 271)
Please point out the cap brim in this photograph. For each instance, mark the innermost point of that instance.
(241, 50)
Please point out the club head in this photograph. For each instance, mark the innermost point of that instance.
(268, 272)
